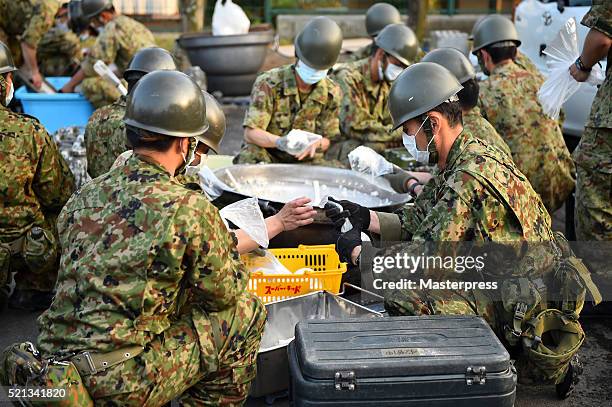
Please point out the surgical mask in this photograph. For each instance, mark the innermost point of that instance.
(10, 93)
(409, 141)
(61, 26)
(308, 74)
(392, 72)
(192, 169)
(187, 158)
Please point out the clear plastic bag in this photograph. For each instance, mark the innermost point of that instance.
(296, 142)
(562, 52)
(365, 160)
(212, 186)
(229, 19)
(267, 264)
(247, 215)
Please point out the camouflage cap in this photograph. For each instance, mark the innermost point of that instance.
(453, 60)
(418, 89)
(6, 60)
(399, 41)
(492, 29)
(169, 103)
(379, 16)
(319, 43)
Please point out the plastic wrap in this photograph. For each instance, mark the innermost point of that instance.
(562, 52)
(247, 215)
(296, 142)
(71, 144)
(365, 160)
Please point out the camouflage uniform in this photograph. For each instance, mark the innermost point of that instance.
(105, 137)
(361, 53)
(58, 53)
(523, 61)
(25, 21)
(364, 117)
(276, 107)
(35, 182)
(117, 44)
(149, 263)
(479, 196)
(479, 127)
(509, 101)
(593, 156)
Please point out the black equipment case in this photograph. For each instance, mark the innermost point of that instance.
(402, 361)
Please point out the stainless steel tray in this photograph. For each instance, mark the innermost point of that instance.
(282, 183)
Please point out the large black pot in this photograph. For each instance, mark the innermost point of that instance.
(231, 62)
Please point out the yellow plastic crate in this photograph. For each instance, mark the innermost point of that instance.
(326, 275)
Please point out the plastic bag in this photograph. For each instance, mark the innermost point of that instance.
(562, 52)
(229, 19)
(365, 160)
(212, 186)
(347, 225)
(247, 216)
(296, 142)
(267, 264)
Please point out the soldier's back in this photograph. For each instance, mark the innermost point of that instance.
(478, 126)
(509, 101)
(105, 137)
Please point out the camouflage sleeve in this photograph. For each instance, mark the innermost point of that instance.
(599, 17)
(43, 14)
(260, 111)
(356, 121)
(213, 265)
(411, 217)
(328, 122)
(456, 215)
(53, 182)
(105, 48)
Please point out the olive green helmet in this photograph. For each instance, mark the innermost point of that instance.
(148, 60)
(6, 60)
(399, 41)
(91, 8)
(318, 44)
(216, 124)
(453, 60)
(418, 89)
(379, 16)
(169, 103)
(493, 29)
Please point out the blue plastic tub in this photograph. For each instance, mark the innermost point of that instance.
(57, 110)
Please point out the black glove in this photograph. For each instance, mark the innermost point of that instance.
(346, 243)
(358, 215)
(399, 179)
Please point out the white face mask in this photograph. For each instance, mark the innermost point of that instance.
(10, 93)
(308, 74)
(409, 141)
(392, 72)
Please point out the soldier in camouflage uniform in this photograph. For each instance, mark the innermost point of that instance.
(365, 84)
(105, 131)
(473, 122)
(119, 38)
(23, 23)
(297, 96)
(509, 101)
(168, 315)
(59, 51)
(378, 17)
(35, 182)
(478, 195)
(593, 156)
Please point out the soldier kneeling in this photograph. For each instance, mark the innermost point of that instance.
(151, 300)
